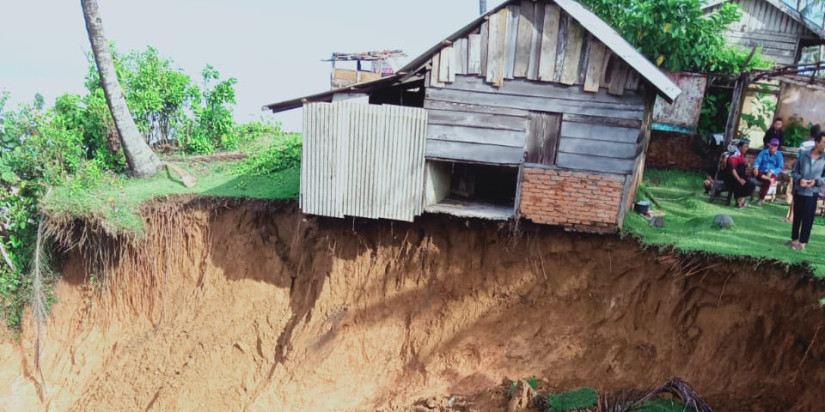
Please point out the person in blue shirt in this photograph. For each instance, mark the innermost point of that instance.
(768, 164)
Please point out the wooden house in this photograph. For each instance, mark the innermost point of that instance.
(536, 110)
(781, 31)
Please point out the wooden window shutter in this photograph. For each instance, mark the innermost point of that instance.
(543, 138)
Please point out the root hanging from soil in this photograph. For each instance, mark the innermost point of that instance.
(40, 265)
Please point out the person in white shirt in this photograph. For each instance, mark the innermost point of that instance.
(806, 145)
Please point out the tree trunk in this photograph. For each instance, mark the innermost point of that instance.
(142, 161)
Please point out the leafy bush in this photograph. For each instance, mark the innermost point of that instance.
(714, 112)
(168, 108)
(580, 399)
(796, 131)
(284, 154)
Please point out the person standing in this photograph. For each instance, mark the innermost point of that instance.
(774, 132)
(808, 179)
(769, 164)
(806, 145)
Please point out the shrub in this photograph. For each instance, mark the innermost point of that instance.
(284, 154)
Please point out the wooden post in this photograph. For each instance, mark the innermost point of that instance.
(736, 108)
(738, 99)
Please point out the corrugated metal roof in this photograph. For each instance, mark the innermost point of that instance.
(816, 30)
(365, 87)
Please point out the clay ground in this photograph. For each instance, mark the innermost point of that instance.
(253, 306)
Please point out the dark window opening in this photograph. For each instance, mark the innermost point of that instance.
(408, 94)
(484, 183)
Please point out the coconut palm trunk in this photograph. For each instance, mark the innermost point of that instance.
(142, 161)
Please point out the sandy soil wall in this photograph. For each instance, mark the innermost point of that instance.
(253, 306)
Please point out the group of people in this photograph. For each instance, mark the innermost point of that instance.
(807, 177)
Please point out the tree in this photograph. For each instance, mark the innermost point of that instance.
(677, 34)
(139, 156)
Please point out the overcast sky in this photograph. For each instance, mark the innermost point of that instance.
(274, 48)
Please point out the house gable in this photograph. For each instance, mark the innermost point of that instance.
(773, 25)
(549, 41)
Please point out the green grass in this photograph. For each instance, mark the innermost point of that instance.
(115, 203)
(664, 405)
(758, 231)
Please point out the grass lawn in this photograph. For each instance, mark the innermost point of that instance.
(115, 202)
(758, 231)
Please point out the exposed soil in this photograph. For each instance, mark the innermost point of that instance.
(253, 306)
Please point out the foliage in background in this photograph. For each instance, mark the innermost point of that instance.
(40, 148)
(282, 154)
(74, 146)
(714, 112)
(796, 131)
(676, 34)
(760, 116)
(213, 126)
(169, 108)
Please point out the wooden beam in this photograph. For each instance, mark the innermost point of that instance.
(524, 39)
(474, 54)
(585, 57)
(572, 54)
(618, 79)
(737, 101)
(460, 56)
(485, 32)
(436, 63)
(503, 22)
(561, 49)
(445, 65)
(511, 34)
(535, 42)
(595, 63)
(549, 43)
(605, 73)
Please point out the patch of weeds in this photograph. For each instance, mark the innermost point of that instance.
(579, 399)
(692, 204)
(283, 154)
(533, 382)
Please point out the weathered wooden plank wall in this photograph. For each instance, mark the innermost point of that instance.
(599, 131)
(533, 63)
(533, 40)
(764, 25)
(363, 160)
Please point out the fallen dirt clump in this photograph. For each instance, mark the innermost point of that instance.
(253, 306)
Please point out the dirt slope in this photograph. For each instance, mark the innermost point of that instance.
(253, 306)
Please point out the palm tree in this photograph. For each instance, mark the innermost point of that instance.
(142, 161)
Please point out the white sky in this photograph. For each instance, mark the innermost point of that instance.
(272, 47)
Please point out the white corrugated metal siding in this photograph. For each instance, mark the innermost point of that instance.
(363, 160)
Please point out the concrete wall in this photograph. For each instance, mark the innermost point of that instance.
(806, 102)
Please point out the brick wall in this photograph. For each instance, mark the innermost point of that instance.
(576, 200)
(678, 150)
(675, 150)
